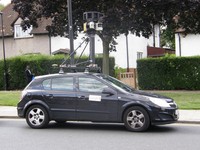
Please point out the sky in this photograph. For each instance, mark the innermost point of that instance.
(5, 2)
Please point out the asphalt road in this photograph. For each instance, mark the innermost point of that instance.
(16, 135)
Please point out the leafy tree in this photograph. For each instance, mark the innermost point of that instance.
(172, 13)
(168, 38)
(120, 17)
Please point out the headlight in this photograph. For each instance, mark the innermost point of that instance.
(159, 102)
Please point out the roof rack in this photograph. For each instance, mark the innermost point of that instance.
(74, 68)
(85, 66)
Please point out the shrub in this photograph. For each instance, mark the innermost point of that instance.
(169, 73)
(39, 64)
(119, 70)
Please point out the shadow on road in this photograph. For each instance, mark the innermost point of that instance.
(162, 128)
(87, 126)
(106, 126)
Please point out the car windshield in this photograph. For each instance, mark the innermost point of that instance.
(117, 84)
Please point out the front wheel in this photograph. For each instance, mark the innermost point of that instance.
(37, 117)
(136, 119)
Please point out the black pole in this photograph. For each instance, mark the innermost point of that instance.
(92, 46)
(179, 38)
(71, 35)
(4, 56)
(154, 37)
(50, 43)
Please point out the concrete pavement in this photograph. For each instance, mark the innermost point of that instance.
(185, 116)
(8, 112)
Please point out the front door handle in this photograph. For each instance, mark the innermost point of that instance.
(81, 97)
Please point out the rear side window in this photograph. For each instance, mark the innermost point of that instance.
(60, 84)
(35, 85)
(47, 84)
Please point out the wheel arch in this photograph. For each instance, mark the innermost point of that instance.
(133, 104)
(36, 102)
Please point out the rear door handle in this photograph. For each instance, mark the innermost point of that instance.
(50, 96)
(29, 95)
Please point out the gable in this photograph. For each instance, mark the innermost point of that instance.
(19, 32)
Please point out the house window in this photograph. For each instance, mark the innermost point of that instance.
(20, 33)
(139, 55)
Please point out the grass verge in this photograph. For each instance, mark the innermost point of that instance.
(9, 98)
(185, 99)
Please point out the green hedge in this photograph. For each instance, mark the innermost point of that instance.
(175, 73)
(39, 64)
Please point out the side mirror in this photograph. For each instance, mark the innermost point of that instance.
(108, 91)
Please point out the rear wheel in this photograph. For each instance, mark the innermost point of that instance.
(37, 117)
(136, 119)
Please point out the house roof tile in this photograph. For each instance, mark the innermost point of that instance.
(42, 23)
(9, 17)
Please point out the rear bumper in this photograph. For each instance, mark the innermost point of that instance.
(20, 112)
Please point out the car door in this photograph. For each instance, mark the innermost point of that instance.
(60, 96)
(92, 104)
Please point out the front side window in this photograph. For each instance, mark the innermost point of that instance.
(60, 84)
(20, 33)
(91, 85)
(117, 84)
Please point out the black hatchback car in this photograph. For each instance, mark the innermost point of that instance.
(92, 97)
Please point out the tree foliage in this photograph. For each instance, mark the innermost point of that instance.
(120, 16)
(168, 38)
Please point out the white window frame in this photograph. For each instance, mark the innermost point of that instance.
(20, 33)
(139, 55)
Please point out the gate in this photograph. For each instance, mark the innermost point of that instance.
(129, 78)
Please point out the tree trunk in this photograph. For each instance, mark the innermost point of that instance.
(106, 65)
(105, 41)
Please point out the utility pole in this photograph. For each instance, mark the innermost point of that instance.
(4, 55)
(127, 52)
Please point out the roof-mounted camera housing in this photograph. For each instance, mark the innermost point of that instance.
(92, 16)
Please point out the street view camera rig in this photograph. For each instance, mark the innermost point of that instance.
(92, 23)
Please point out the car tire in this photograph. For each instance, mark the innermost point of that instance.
(136, 119)
(37, 117)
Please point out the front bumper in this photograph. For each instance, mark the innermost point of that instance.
(165, 116)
